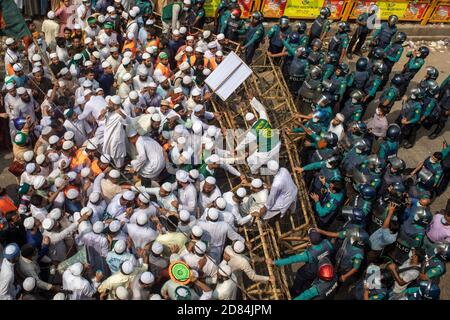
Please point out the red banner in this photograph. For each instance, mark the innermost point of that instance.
(441, 14)
(274, 8)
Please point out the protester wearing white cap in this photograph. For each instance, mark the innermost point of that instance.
(95, 239)
(118, 255)
(74, 282)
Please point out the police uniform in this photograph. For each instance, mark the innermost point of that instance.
(360, 35)
(274, 34)
(444, 104)
(232, 28)
(328, 205)
(410, 69)
(254, 36)
(339, 42)
(411, 111)
(357, 80)
(384, 35)
(352, 112)
(393, 53)
(388, 97)
(319, 26)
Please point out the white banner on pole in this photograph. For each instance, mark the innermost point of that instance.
(228, 76)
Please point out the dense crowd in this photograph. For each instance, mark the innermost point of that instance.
(119, 158)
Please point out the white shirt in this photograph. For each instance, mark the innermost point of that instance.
(282, 195)
(114, 208)
(141, 235)
(226, 290)
(338, 130)
(93, 107)
(8, 290)
(150, 160)
(187, 197)
(97, 241)
(205, 200)
(233, 208)
(81, 288)
(57, 249)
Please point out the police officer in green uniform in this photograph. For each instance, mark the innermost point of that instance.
(353, 108)
(277, 33)
(358, 79)
(444, 104)
(364, 199)
(327, 169)
(319, 248)
(328, 202)
(357, 155)
(416, 60)
(433, 267)
(298, 68)
(361, 32)
(410, 116)
(310, 89)
(315, 55)
(334, 88)
(379, 72)
(301, 30)
(356, 131)
(389, 147)
(393, 174)
(391, 94)
(368, 172)
(233, 26)
(431, 110)
(383, 36)
(330, 64)
(254, 36)
(339, 42)
(321, 25)
(324, 286)
(200, 14)
(393, 52)
(223, 11)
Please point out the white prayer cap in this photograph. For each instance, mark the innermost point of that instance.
(167, 186)
(53, 157)
(238, 246)
(212, 45)
(142, 219)
(130, 36)
(220, 36)
(59, 182)
(67, 145)
(182, 176)
(72, 194)
(257, 183)
(115, 99)
(181, 140)
(197, 231)
(196, 92)
(85, 172)
(200, 247)
(55, 214)
(78, 56)
(63, 71)
(127, 76)
(249, 116)
(110, 9)
(40, 159)
(96, 54)
(241, 192)
(198, 108)
(183, 30)
(219, 54)
(105, 64)
(147, 277)
(36, 57)
(10, 86)
(122, 293)
(128, 195)
(157, 248)
(59, 296)
(69, 135)
(145, 56)
(126, 61)
(212, 131)
(210, 180)
(46, 130)
(214, 158)
(149, 22)
(98, 227)
(28, 155)
(177, 90)
(106, 159)
(340, 117)
(76, 269)
(120, 246)
(30, 167)
(29, 284)
(86, 211)
(213, 214)
(91, 145)
(189, 48)
(48, 223)
(132, 13)
(115, 226)
(9, 41)
(76, 26)
(206, 72)
(38, 182)
(142, 70)
(94, 197)
(176, 32)
(184, 215)
(194, 174)
(273, 165)
(187, 1)
(197, 127)
(187, 80)
(144, 197)
(199, 49)
(221, 203)
(21, 90)
(53, 139)
(151, 49)
(28, 223)
(87, 41)
(17, 67)
(87, 83)
(225, 270)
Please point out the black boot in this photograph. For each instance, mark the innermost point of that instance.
(436, 132)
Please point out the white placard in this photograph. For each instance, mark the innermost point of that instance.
(229, 75)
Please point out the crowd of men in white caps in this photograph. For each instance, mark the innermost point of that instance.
(116, 155)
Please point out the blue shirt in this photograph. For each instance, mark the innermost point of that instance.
(381, 238)
(106, 82)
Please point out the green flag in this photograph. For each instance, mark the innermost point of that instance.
(12, 22)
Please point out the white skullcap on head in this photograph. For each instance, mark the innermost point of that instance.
(36, 57)
(181, 140)
(17, 67)
(21, 90)
(189, 48)
(91, 145)
(197, 127)
(105, 64)
(127, 76)
(145, 56)
(128, 195)
(221, 203)
(30, 167)
(156, 117)
(200, 247)
(147, 277)
(212, 131)
(340, 116)
(72, 194)
(59, 296)
(219, 54)
(38, 182)
(152, 85)
(67, 145)
(257, 183)
(55, 214)
(183, 30)
(53, 157)
(87, 40)
(142, 70)
(122, 293)
(184, 66)
(76, 269)
(53, 139)
(96, 54)
(105, 159)
(241, 192)
(249, 116)
(206, 72)
(72, 175)
(187, 80)
(273, 165)
(167, 186)
(113, 49)
(187, 1)
(212, 45)
(198, 108)
(48, 223)
(199, 49)
(238, 246)
(94, 197)
(40, 159)
(182, 176)
(185, 216)
(115, 99)
(210, 180)
(132, 14)
(213, 214)
(98, 227)
(28, 223)
(10, 86)
(69, 135)
(197, 231)
(84, 226)
(176, 32)
(29, 284)
(76, 26)
(114, 226)
(177, 90)
(9, 41)
(131, 132)
(46, 130)
(120, 246)
(28, 155)
(130, 36)
(141, 218)
(157, 248)
(110, 9)
(225, 270)
(206, 34)
(220, 36)
(59, 182)
(126, 61)
(214, 159)
(144, 197)
(115, 174)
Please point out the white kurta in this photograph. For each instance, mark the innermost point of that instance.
(114, 140)
(141, 235)
(8, 290)
(150, 159)
(81, 288)
(282, 195)
(187, 197)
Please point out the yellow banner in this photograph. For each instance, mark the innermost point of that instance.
(389, 8)
(303, 8)
(210, 7)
